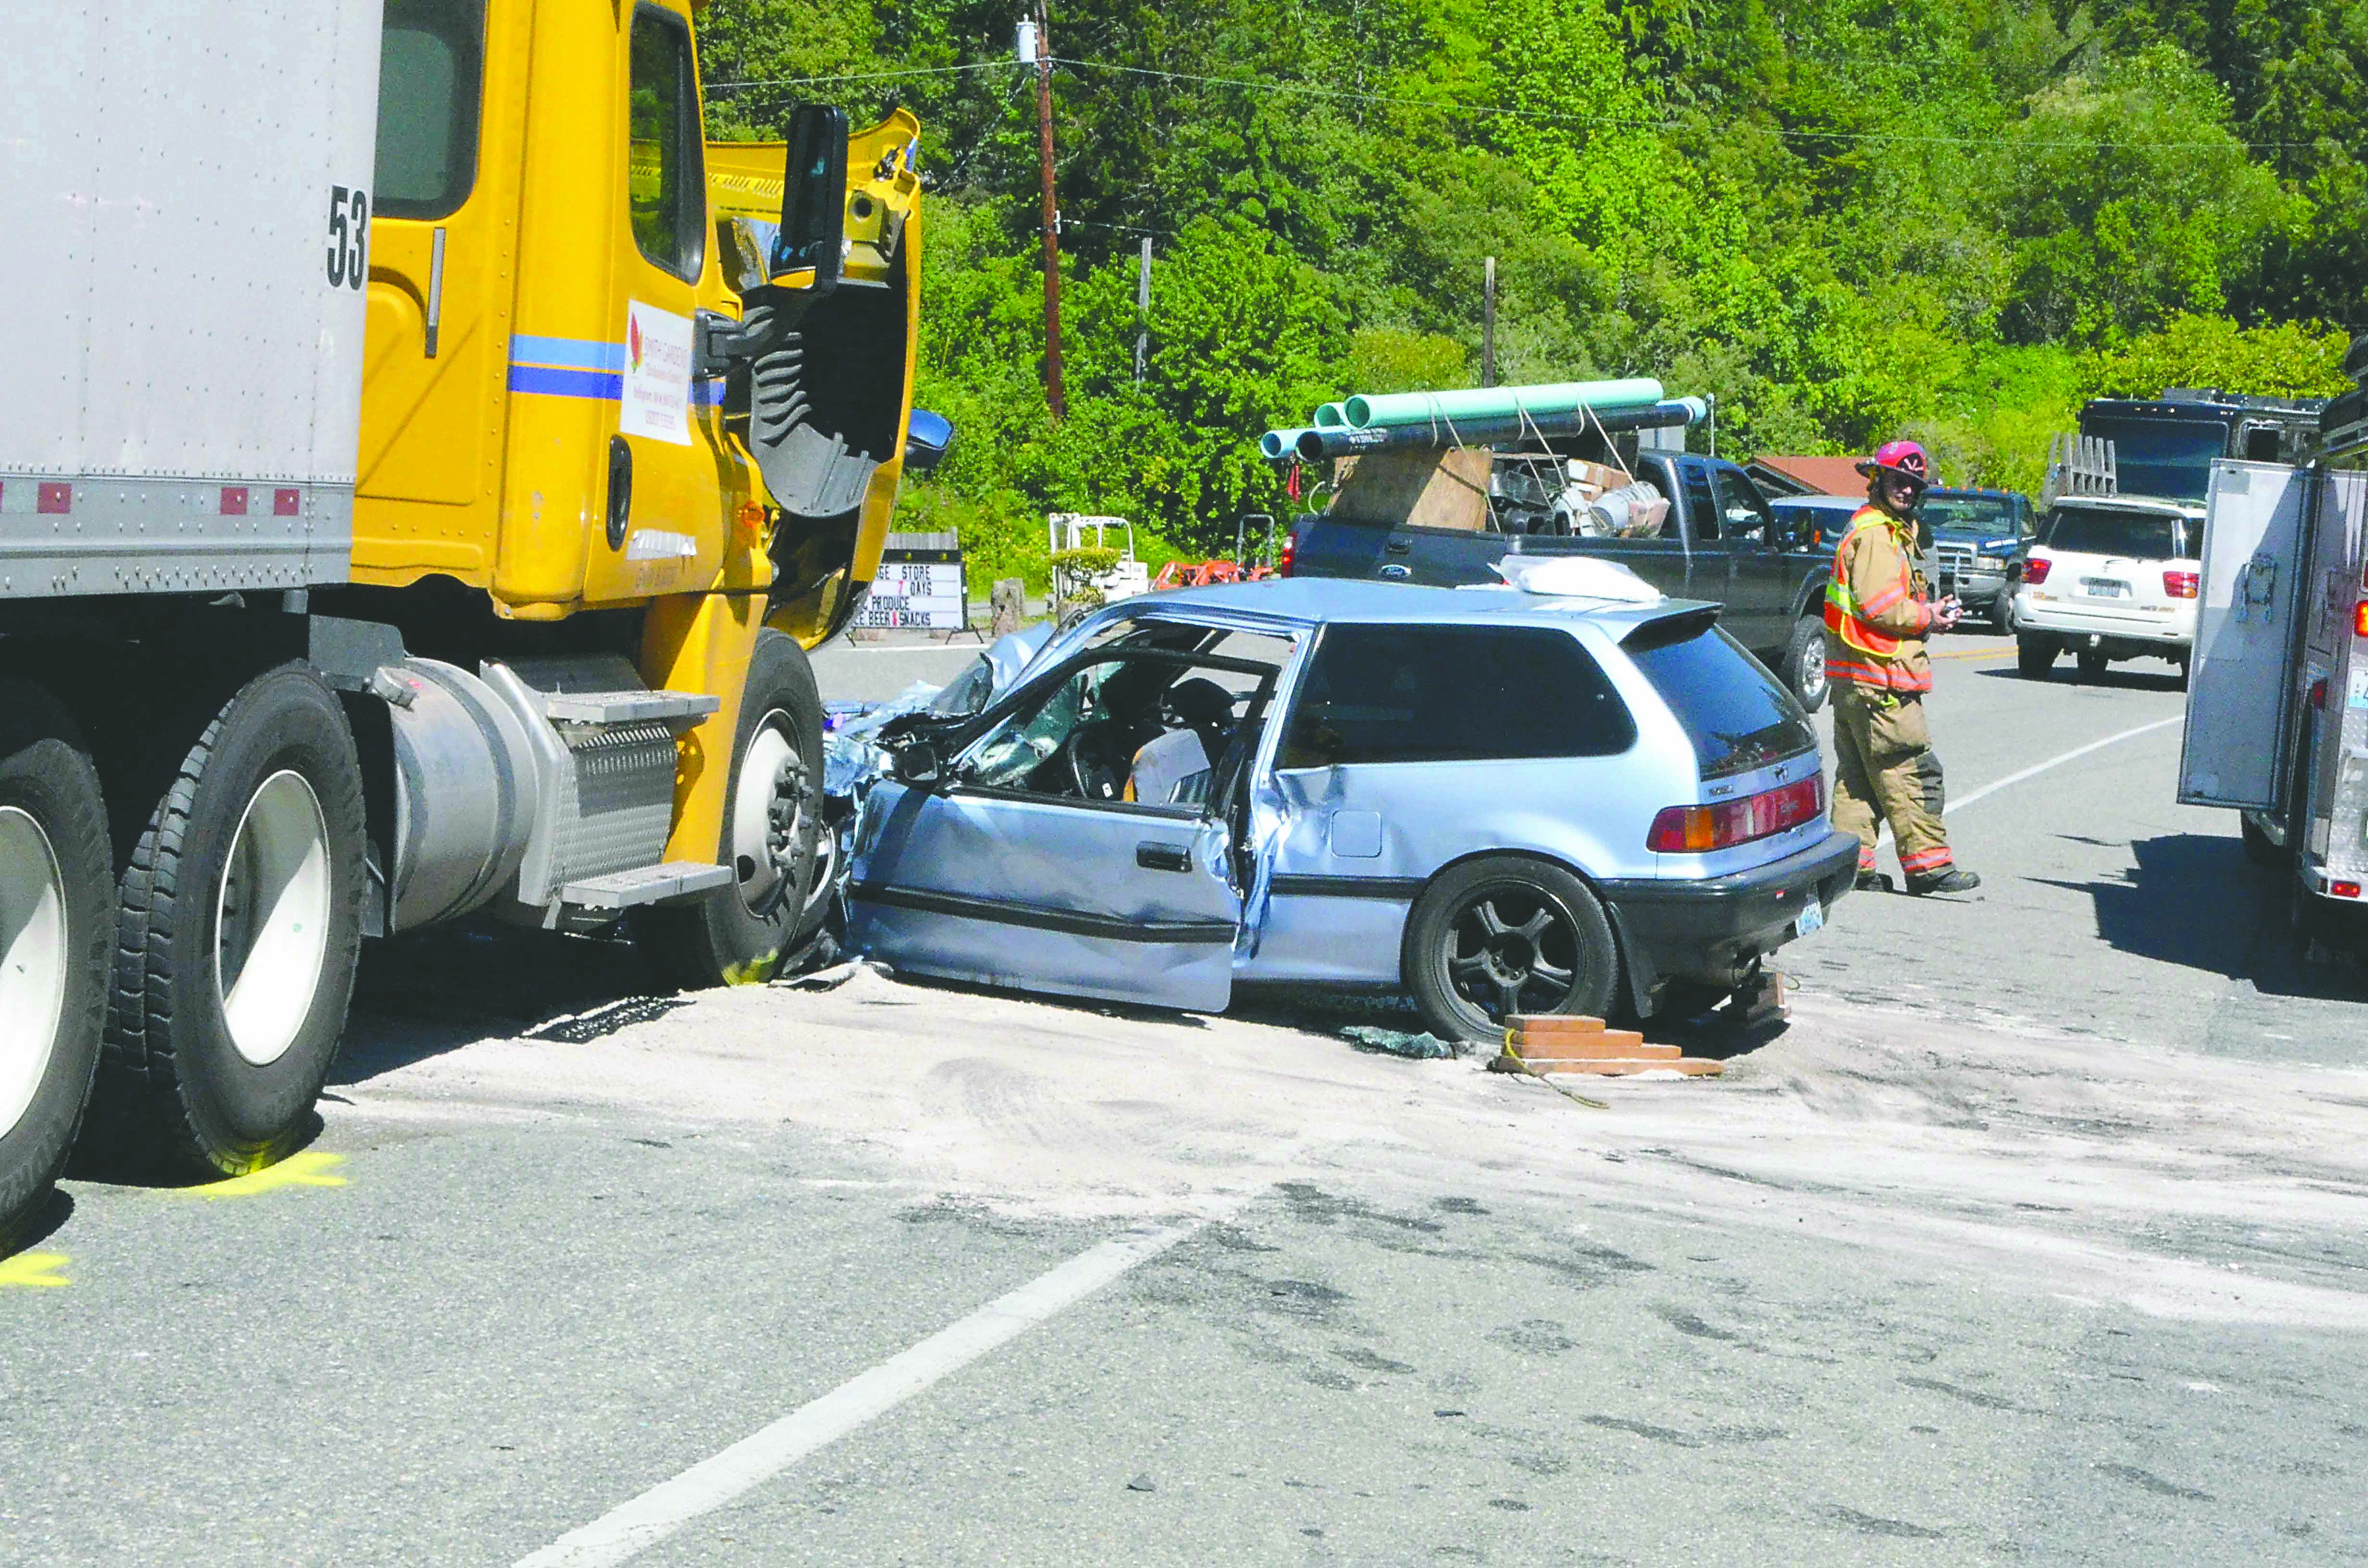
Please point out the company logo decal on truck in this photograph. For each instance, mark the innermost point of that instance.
(657, 375)
(586, 367)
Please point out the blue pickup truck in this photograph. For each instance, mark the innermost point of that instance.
(1975, 534)
(1719, 542)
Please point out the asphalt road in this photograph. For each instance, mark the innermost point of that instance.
(2036, 1236)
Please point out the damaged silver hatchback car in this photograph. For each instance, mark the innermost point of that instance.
(1493, 801)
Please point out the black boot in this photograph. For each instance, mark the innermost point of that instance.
(1873, 881)
(1953, 879)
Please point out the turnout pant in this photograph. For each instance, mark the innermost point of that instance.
(1884, 771)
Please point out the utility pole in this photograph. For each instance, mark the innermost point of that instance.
(1038, 46)
(1143, 312)
(1488, 322)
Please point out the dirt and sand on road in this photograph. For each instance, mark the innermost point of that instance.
(2059, 1163)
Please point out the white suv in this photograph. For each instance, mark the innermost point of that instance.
(2108, 577)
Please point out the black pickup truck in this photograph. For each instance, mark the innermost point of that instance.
(1720, 542)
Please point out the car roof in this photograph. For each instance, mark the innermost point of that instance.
(1315, 601)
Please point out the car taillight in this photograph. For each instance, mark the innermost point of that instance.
(2035, 570)
(1283, 562)
(2318, 694)
(2359, 618)
(2179, 584)
(1696, 830)
(2343, 890)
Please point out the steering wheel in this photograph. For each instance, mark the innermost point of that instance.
(1099, 762)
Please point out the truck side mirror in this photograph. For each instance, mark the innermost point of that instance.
(813, 236)
(928, 438)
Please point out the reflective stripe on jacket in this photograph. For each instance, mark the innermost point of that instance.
(1875, 621)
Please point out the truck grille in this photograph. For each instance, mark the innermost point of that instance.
(1957, 558)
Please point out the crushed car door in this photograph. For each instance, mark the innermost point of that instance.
(2239, 700)
(1025, 865)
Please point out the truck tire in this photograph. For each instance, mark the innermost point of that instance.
(238, 922)
(2003, 614)
(2092, 664)
(2034, 654)
(1804, 661)
(56, 886)
(1505, 933)
(773, 838)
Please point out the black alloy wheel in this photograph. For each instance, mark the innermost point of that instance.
(1506, 935)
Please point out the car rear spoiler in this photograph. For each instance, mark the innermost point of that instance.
(1663, 630)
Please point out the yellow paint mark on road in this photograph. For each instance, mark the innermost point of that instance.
(1979, 653)
(34, 1268)
(308, 1169)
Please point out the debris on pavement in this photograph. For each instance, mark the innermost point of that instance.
(837, 974)
(1143, 1483)
(1555, 1043)
(1424, 1047)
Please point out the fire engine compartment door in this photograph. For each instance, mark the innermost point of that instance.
(2241, 693)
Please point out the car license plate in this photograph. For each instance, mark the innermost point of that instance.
(2104, 588)
(1813, 915)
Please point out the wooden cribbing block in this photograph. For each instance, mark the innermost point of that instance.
(1609, 1067)
(1536, 1024)
(1614, 1045)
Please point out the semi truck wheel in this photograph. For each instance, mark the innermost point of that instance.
(774, 837)
(1804, 661)
(56, 883)
(1505, 934)
(238, 924)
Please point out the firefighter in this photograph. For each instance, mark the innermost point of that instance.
(1877, 613)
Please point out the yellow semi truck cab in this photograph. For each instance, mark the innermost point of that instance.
(429, 464)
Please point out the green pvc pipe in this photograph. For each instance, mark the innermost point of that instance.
(1278, 444)
(1330, 417)
(1560, 397)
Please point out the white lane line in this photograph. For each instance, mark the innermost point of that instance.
(633, 1528)
(2037, 769)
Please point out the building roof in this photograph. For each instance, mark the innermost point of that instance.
(1807, 475)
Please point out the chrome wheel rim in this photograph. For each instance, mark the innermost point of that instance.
(271, 918)
(1812, 676)
(772, 819)
(1511, 949)
(34, 961)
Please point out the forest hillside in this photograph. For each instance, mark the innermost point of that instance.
(1845, 219)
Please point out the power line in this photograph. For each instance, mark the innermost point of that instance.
(1466, 107)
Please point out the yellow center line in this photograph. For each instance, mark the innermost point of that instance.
(1979, 653)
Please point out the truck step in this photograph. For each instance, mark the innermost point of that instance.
(633, 706)
(645, 884)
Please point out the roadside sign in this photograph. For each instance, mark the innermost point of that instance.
(922, 585)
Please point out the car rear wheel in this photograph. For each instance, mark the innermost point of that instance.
(1804, 661)
(2092, 662)
(2034, 654)
(1504, 935)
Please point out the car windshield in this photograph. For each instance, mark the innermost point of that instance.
(1985, 514)
(1736, 715)
(2101, 531)
(2162, 457)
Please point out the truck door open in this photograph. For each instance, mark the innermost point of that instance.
(2240, 693)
